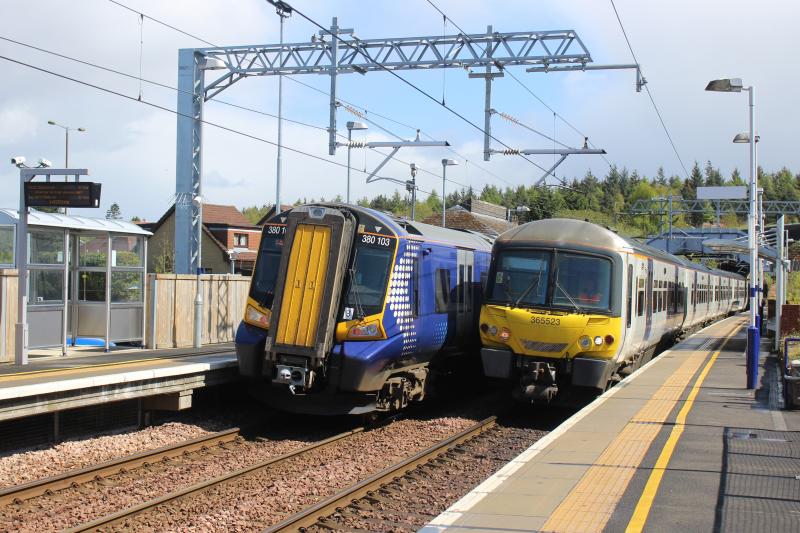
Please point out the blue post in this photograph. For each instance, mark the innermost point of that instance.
(753, 341)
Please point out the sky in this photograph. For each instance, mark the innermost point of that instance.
(130, 147)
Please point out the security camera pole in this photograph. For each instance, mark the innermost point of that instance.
(27, 174)
(411, 186)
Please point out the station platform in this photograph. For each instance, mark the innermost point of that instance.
(680, 445)
(164, 379)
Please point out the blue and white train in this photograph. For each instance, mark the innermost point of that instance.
(352, 310)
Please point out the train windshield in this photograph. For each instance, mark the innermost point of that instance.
(582, 281)
(522, 278)
(262, 286)
(369, 276)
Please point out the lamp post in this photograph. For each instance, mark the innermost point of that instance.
(445, 163)
(350, 127)
(66, 129)
(283, 11)
(753, 337)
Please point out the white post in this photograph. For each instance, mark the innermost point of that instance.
(21, 330)
(444, 179)
(198, 296)
(349, 148)
(144, 290)
(753, 337)
(108, 292)
(280, 127)
(780, 273)
(65, 295)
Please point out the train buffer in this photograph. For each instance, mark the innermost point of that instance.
(162, 379)
(680, 445)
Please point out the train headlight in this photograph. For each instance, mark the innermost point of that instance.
(598, 340)
(492, 330)
(364, 330)
(585, 342)
(505, 333)
(609, 339)
(255, 316)
(484, 327)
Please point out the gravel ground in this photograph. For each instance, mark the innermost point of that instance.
(35, 464)
(259, 500)
(411, 502)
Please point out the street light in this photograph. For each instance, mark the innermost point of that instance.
(66, 129)
(735, 85)
(445, 163)
(350, 127)
(744, 138)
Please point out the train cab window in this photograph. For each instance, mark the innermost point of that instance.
(442, 290)
(521, 278)
(582, 280)
(262, 287)
(369, 275)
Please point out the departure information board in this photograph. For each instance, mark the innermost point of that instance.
(62, 194)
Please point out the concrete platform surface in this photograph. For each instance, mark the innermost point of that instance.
(680, 445)
(165, 377)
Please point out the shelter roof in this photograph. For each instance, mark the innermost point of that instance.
(59, 220)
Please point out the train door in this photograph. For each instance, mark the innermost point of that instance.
(465, 265)
(630, 324)
(648, 323)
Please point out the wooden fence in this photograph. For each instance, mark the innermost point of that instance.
(8, 313)
(170, 309)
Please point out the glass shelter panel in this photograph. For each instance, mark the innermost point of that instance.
(92, 250)
(6, 245)
(126, 251)
(46, 247)
(92, 286)
(46, 287)
(126, 287)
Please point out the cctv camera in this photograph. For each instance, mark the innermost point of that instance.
(18, 161)
(44, 163)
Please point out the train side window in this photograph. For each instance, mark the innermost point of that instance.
(468, 285)
(460, 286)
(415, 287)
(630, 295)
(442, 289)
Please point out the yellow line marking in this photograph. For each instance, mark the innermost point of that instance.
(591, 502)
(645, 503)
(75, 369)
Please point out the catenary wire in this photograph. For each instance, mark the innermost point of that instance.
(183, 32)
(649, 94)
(178, 113)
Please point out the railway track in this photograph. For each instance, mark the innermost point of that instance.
(126, 514)
(19, 493)
(317, 514)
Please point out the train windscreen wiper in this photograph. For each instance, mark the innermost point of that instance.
(558, 286)
(354, 288)
(533, 285)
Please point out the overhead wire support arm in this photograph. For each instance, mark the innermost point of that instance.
(640, 80)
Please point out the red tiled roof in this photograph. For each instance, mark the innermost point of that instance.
(224, 214)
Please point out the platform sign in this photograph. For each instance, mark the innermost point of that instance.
(730, 192)
(62, 194)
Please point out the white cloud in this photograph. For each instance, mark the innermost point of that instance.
(17, 124)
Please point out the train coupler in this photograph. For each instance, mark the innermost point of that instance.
(537, 383)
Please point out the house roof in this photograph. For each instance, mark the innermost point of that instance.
(459, 218)
(212, 214)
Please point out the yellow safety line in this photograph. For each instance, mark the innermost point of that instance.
(73, 369)
(645, 503)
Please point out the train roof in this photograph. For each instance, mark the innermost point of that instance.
(563, 231)
(413, 229)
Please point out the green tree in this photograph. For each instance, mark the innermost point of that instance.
(114, 212)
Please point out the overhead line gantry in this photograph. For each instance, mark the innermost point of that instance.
(338, 51)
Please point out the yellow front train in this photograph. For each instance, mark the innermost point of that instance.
(570, 305)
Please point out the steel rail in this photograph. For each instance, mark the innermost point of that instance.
(115, 518)
(311, 515)
(25, 491)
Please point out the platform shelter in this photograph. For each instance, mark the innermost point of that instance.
(86, 280)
